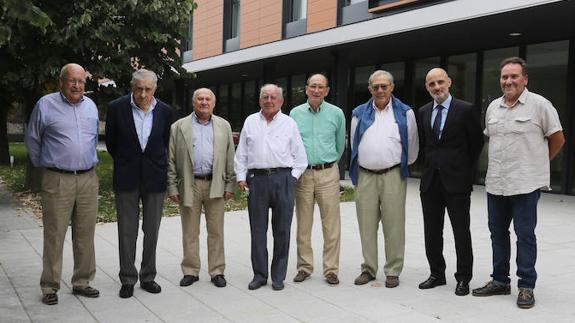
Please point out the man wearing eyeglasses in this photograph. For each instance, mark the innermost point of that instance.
(137, 136)
(384, 142)
(61, 138)
(322, 128)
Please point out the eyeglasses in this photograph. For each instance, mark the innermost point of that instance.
(384, 87)
(75, 82)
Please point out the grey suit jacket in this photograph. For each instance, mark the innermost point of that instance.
(180, 160)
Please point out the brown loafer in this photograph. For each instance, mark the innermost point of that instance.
(364, 278)
(86, 291)
(50, 299)
(301, 276)
(391, 281)
(331, 279)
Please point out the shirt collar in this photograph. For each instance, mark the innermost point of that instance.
(196, 120)
(135, 106)
(522, 98)
(275, 116)
(445, 104)
(388, 106)
(318, 108)
(65, 99)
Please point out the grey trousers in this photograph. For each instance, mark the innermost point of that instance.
(128, 210)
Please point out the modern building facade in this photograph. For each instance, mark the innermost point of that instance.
(236, 46)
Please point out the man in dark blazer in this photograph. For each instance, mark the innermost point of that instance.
(137, 136)
(451, 140)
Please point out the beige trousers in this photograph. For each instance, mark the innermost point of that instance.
(68, 198)
(321, 186)
(214, 210)
(381, 198)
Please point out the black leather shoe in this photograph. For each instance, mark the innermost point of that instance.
(86, 291)
(151, 287)
(278, 285)
(432, 282)
(188, 280)
(127, 291)
(255, 284)
(493, 288)
(462, 288)
(219, 281)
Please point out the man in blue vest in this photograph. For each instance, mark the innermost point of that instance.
(384, 142)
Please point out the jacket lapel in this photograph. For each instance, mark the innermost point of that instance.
(186, 130)
(451, 115)
(129, 117)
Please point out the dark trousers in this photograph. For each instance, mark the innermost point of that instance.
(128, 210)
(276, 192)
(434, 202)
(522, 209)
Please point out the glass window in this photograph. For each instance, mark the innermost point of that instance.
(298, 95)
(232, 19)
(491, 91)
(235, 107)
(222, 102)
(299, 10)
(361, 82)
(420, 69)
(350, 2)
(397, 69)
(462, 70)
(251, 98)
(547, 69)
(283, 83)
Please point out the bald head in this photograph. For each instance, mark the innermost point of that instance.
(72, 82)
(437, 83)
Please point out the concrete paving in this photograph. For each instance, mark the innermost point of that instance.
(310, 301)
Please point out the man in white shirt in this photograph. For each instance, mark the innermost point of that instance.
(384, 142)
(270, 157)
(524, 135)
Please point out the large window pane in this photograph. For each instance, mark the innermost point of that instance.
(491, 91)
(360, 92)
(283, 83)
(223, 102)
(235, 19)
(236, 120)
(420, 69)
(462, 70)
(547, 70)
(251, 98)
(299, 10)
(297, 91)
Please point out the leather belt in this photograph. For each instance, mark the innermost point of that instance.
(321, 166)
(207, 177)
(75, 172)
(379, 171)
(268, 171)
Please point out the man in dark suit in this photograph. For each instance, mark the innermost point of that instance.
(451, 141)
(137, 136)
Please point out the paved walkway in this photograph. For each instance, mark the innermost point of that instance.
(310, 301)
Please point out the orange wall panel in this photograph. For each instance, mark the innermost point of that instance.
(260, 22)
(321, 15)
(208, 28)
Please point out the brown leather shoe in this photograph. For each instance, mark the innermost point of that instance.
(364, 278)
(331, 279)
(86, 291)
(391, 281)
(301, 276)
(50, 299)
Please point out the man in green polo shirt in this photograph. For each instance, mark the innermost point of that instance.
(322, 128)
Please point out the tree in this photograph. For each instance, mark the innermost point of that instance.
(108, 38)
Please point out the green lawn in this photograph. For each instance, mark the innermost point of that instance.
(14, 178)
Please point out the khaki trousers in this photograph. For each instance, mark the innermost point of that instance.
(214, 210)
(321, 186)
(68, 198)
(381, 198)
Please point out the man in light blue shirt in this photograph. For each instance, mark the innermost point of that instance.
(61, 138)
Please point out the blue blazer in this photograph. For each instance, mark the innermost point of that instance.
(133, 168)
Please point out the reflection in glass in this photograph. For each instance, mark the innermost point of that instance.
(360, 91)
(421, 67)
(222, 102)
(299, 10)
(462, 70)
(235, 111)
(547, 70)
(297, 91)
(251, 98)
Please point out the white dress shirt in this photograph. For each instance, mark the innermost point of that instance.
(380, 145)
(269, 145)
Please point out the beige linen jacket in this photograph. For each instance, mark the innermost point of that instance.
(180, 160)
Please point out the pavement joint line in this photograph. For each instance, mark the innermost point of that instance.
(16, 292)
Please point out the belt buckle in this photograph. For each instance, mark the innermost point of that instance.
(269, 171)
(75, 172)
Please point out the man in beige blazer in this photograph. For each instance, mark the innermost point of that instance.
(201, 173)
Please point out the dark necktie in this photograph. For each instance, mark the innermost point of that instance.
(437, 122)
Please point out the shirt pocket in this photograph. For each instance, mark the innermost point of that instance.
(520, 124)
(493, 125)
